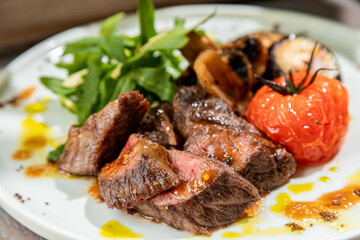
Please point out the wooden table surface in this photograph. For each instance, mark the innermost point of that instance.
(14, 38)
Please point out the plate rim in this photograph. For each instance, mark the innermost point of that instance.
(51, 231)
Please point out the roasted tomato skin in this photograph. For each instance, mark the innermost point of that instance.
(311, 124)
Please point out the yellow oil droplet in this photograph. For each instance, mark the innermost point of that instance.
(34, 134)
(114, 229)
(333, 169)
(250, 227)
(282, 200)
(325, 179)
(355, 178)
(35, 108)
(46, 99)
(56, 142)
(300, 188)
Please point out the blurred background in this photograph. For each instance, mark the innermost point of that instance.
(24, 23)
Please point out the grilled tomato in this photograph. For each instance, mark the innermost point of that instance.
(305, 112)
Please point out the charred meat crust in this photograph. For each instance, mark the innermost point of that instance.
(141, 171)
(214, 131)
(156, 126)
(103, 135)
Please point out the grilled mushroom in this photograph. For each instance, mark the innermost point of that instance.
(240, 63)
(219, 80)
(255, 46)
(293, 53)
(196, 45)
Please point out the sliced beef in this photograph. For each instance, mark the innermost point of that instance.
(211, 195)
(191, 106)
(103, 135)
(213, 130)
(156, 126)
(181, 101)
(257, 159)
(141, 171)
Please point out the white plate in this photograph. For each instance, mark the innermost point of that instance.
(72, 214)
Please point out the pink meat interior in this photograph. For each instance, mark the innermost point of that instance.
(194, 171)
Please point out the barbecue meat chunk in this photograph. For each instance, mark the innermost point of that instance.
(141, 172)
(156, 126)
(211, 195)
(265, 165)
(192, 106)
(181, 102)
(103, 135)
(213, 130)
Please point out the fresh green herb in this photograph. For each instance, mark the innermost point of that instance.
(100, 68)
(54, 155)
(105, 66)
(146, 17)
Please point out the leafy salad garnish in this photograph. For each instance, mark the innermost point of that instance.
(103, 67)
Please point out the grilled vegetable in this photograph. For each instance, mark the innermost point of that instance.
(219, 80)
(306, 112)
(293, 53)
(197, 43)
(255, 46)
(240, 63)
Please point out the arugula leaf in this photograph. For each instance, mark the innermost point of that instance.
(204, 20)
(129, 84)
(54, 155)
(173, 39)
(84, 46)
(79, 62)
(90, 91)
(124, 84)
(55, 85)
(114, 47)
(146, 17)
(146, 60)
(157, 81)
(108, 26)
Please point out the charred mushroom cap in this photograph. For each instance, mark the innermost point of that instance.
(196, 45)
(241, 65)
(293, 53)
(217, 78)
(255, 46)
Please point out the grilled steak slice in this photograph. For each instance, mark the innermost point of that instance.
(141, 171)
(156, 126)
(213, 130)
(103, 135)
(212, 195)
(191, 107)
(265, 165)
(181, 101)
